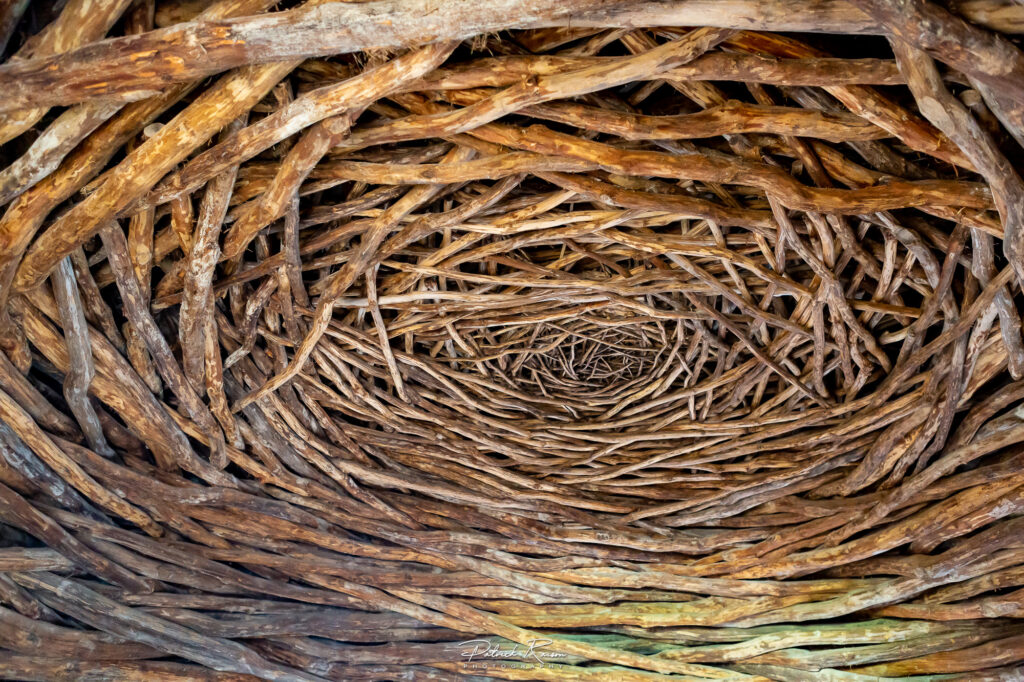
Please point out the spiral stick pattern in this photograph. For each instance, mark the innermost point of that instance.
(591, 341)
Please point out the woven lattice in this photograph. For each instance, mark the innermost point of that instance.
(583, 340)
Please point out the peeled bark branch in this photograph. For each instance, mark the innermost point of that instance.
(130, 67)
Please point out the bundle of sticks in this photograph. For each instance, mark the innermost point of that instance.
(511, 339)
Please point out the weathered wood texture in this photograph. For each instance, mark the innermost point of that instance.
(133, 67)
(494, 339)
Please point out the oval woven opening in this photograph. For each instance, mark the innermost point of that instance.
(592, 340)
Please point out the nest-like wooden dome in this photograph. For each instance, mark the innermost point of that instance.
(533, 340)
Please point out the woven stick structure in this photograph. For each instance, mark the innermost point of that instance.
(582, 340)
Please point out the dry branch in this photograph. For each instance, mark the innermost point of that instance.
(589, 340)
